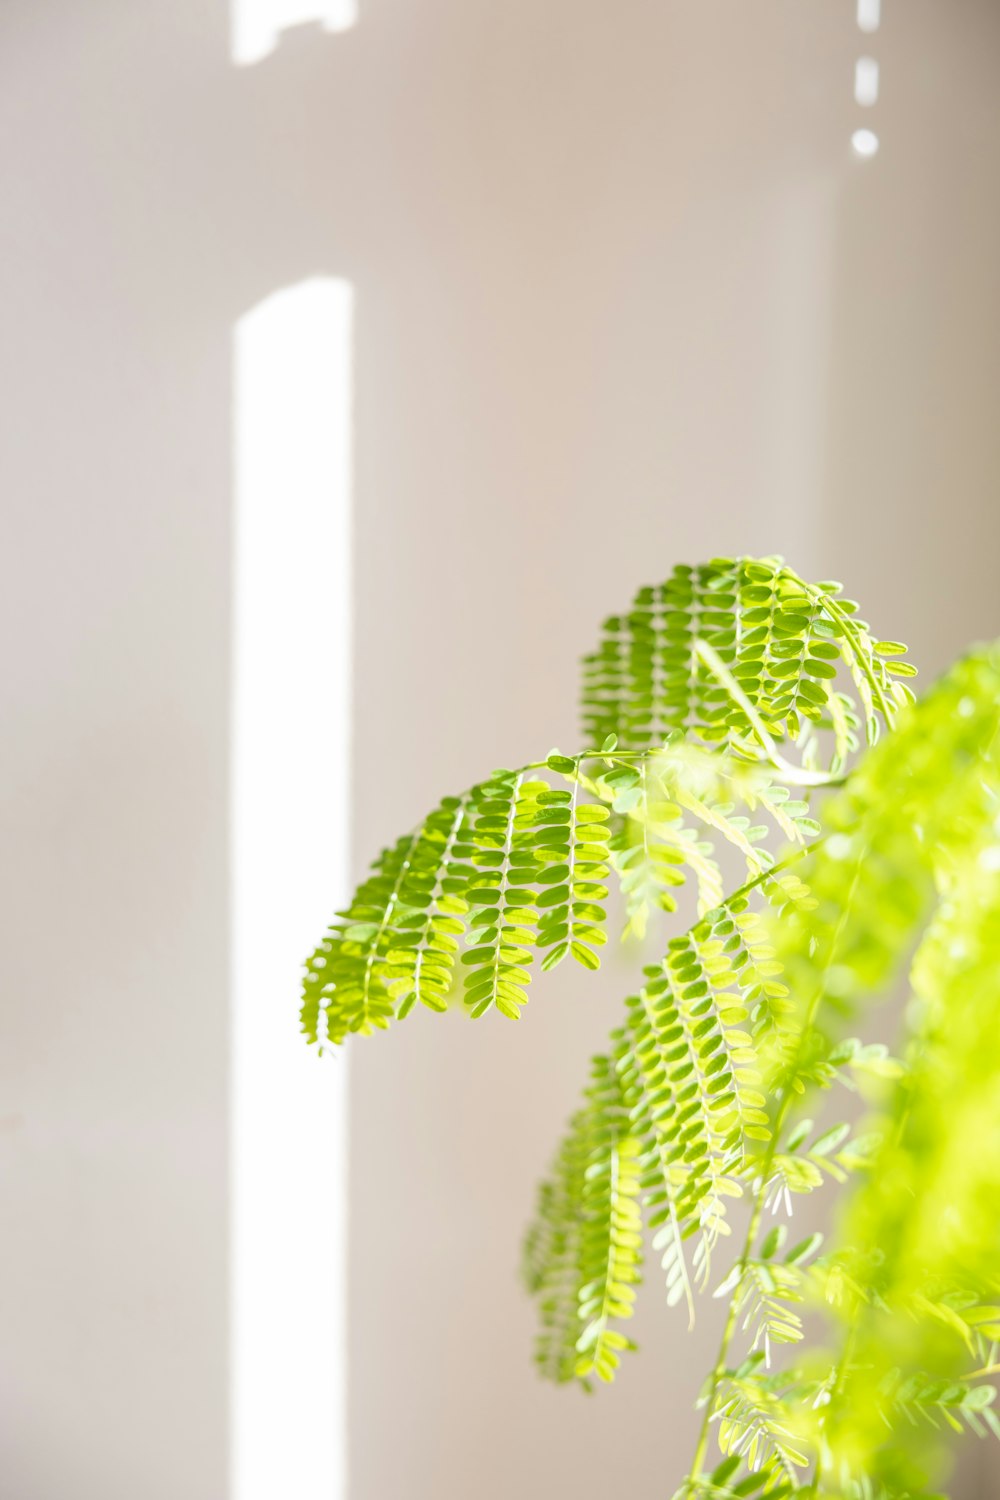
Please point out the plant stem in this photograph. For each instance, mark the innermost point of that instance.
(787, 1100)
(727, 1333)
(839, 1371)
(798, 775)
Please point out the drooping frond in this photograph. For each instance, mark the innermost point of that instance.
(727, 660)
(516, 865)
(696, 1088)
(687, 1070)
(783, 641)
(611, 1240)
(688, 1122)
(516, 870)
(397, 941)
(583, 1254)
(552, 1253)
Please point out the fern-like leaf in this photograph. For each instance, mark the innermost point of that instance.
(719, 664)
(759, 1420)
(518, 867)
(781, 639)
(767, 1291)
(503, 866)
(396, 941)
(583, 1253)
(553, 1250)
(688, 1075)
(611, 1238)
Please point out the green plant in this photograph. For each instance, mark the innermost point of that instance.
(725, 712)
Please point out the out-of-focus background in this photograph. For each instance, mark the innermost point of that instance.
(357, 359)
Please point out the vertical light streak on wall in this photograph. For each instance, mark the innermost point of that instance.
(866, 82)
(292, 420)
(869, 14)
(256, 25)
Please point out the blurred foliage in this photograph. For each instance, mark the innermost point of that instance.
(726, 711)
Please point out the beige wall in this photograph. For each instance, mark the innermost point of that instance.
(623, 298)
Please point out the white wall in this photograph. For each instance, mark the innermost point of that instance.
(623, 297)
